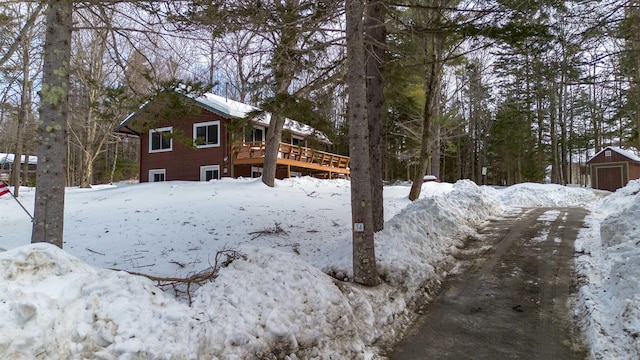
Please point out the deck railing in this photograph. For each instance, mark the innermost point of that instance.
(300, 154)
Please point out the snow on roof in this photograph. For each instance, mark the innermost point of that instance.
(131, 116)
(235, 109)
(8, 158)
(625, 153)
(226, 106)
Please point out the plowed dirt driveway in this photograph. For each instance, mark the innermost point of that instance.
(511, 297)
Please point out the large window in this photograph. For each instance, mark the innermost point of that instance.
(157, 175)
(206, 134)
(160, 140)
(210, 172)
(256, 135)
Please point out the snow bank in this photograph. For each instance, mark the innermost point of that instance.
(278, 303)
(427, 229)
(609, 264)
(274, 306)
(268, 307)
(532, 194)
(411, 254)
(54, 306)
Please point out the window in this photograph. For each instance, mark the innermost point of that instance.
(210, 172)
(297, 141)
(257, 134)
(206, 134)
(256, 172)
(157, 175)
(160, 140)
(607, 153)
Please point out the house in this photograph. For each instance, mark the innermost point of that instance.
(6, 164)
(612, 168)
(203, 138)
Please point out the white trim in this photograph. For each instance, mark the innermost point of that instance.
(204, 169)
(208, 123)
(264, 133)
(153, 172)
(160, 130)
(256, 171)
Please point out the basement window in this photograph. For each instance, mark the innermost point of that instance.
(157, 175)
(210, 172)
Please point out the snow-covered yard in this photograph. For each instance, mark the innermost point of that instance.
(277, 302)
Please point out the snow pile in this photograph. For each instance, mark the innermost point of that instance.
(532, 195)
(276, 303)
(412, 253)
(427, 229)
(55, 306)
(274, 306)
(609, 264)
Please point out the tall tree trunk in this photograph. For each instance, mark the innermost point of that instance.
(274, 135)
(375, 46)
(23, 117)
(595, 123)
(283, 76)
(115, 160)
(562, 122)
(553, 113)
(86, 170)
(16, 166)
(25, 170)
(48, 220)
(433, 76)
(364, 259)
(633, 45)
(436, 154)
(91, 145)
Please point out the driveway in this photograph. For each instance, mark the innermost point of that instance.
(510, 298)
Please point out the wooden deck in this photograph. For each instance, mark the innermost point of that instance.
(294, 157)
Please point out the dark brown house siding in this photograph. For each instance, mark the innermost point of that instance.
(611, 170)
(170, 120)
(183, 162)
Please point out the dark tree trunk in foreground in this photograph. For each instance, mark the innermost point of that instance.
(364, 259)
(52, 127)
(375, 41)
